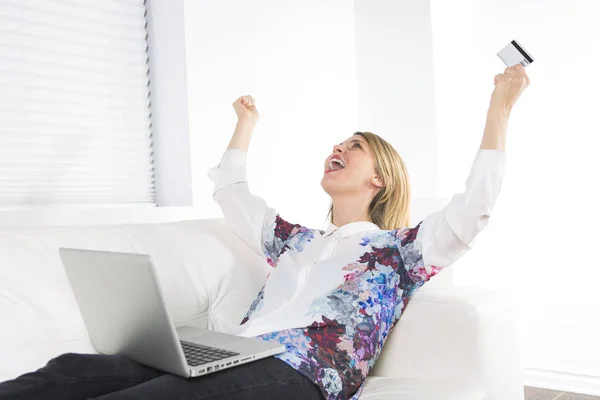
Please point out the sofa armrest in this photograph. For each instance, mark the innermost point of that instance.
(461, 335)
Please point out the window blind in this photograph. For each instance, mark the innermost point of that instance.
(75, 120)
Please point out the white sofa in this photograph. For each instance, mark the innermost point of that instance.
(450, 344)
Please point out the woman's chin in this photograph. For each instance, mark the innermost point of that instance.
(329, 183)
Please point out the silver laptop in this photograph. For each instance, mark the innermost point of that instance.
(123, 309)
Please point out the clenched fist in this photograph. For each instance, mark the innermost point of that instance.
(509, 87)
(246, 109)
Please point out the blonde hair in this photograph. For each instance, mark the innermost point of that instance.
(390, 208)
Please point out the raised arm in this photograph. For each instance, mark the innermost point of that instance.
(248, 116)
(444, 236)
(246, 214)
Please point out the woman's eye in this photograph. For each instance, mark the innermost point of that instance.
(357, 144)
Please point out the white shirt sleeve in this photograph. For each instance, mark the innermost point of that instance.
(246, 214)
(447, 234)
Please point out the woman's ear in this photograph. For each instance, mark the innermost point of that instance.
(376, 181)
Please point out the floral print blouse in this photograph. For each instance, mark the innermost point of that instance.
(334, 296)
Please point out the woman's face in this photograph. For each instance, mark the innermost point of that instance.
(356, 171)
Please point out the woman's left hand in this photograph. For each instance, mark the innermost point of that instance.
(509, 87)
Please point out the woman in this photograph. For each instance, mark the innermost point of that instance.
(333, 296)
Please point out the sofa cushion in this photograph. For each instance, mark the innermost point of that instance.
(380, 388)
(208, 278)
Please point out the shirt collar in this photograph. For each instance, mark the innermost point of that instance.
(351, 228)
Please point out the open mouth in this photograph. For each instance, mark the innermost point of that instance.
(335, 164)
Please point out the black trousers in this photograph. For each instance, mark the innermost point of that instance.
(74, 376)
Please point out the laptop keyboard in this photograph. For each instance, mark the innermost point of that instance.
(196, 354)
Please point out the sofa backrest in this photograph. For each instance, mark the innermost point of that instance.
(207, 274)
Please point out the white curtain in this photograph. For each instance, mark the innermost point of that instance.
(75, 121)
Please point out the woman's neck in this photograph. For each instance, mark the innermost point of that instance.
(347, 210)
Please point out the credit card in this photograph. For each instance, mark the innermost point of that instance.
(514, 54)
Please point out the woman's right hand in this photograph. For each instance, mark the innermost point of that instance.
(509, 86)
(246, 109)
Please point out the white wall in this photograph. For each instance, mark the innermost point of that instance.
(297, 59)
(540, 243)
(396, 92)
